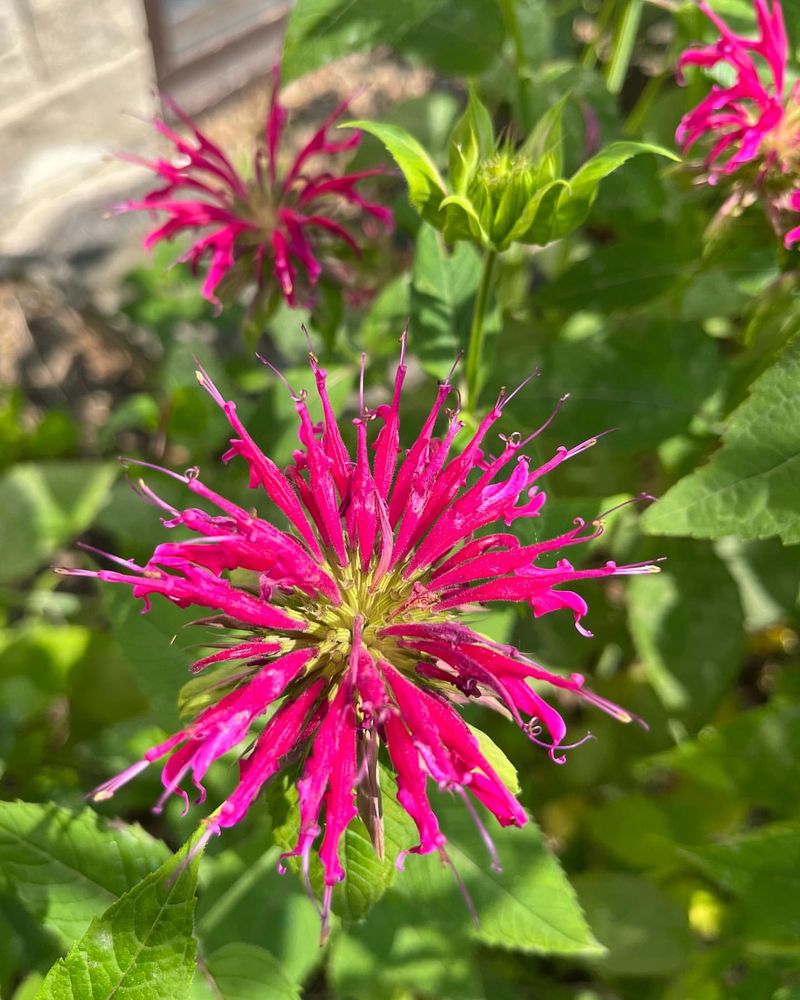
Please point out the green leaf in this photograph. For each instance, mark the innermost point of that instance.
(46, 505)
(443, 285)
(242, 972)
(619, 276)
(601, 365)
(775, 318)
(529, 906)
(761, 869)
(634, 830)
(461, 221)
(141, 948)
(456, 37)
(397, 954)
(546, 137)
(646, 933)
(246, 900)
(751, 484)
(387, 315)
(690, 658)
(768, 576)
(67, 868)
(26, 945)
(535, 221)
(753, 757)
(28, 989)
(56, 649)
(153, 645)
(471, 139)
(573, 208)
(426, 188)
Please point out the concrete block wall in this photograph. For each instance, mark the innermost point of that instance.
(77, 80)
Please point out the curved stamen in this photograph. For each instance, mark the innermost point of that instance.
(534, 374)
(127, 563)
(556, 410)
(297, 397)
(625, 503)
(124, 461)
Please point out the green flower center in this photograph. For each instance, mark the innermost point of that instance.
(373, 602)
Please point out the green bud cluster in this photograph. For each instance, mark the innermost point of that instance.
(500, 189)
(497, 194)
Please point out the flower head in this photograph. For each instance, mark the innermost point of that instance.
(350, 628)
(755, 121)
(267, 224)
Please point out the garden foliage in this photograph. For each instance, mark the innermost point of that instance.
(544, 222)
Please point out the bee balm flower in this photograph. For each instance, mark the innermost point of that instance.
(353, 630)
(269, 224)
(754, 123)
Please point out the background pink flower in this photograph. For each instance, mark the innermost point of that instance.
(272, 224)
(755, 120)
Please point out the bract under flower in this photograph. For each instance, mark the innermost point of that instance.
(354, 630)
(266, 225)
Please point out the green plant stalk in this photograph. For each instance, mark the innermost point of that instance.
(509, 15)
(476, 332)
(512, 26)
(635, 119)
(623, 46)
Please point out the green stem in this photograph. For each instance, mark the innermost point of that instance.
(624, 41)
(509, 14)
(476, 331)
(650, 92)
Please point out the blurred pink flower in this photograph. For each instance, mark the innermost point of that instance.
(352, 631)
(793, 236)
(266, 223)
(756, 119)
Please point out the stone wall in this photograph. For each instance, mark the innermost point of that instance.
(78, 79)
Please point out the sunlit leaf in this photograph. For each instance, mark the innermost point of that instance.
(67, 868)
(453, 36)
(46, 504)
(752, 757)
(646, 933)
(574, 206)
(426, 188)
(443, 285)
(529, 906)
(141, 948)
(751, 484)
(239, 971)
(761, 868)
(472, 137)
(690, 656)
(245, 899)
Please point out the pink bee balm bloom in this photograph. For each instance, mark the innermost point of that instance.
(354, 630)
(756, 119)
(269, 223)
(793, 203)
